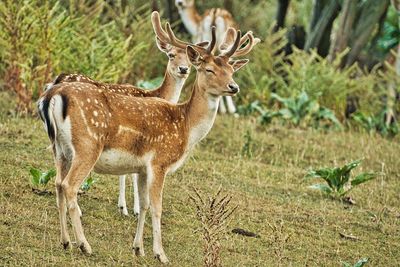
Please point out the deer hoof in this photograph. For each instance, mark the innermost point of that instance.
(85, 248)
(138, 251)
(162, 258)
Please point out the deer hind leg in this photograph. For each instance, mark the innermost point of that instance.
(136, 201)
(80, 167)
(144, 206)
(230, 104)
(155, 190)
(62, 167)
(121, 199)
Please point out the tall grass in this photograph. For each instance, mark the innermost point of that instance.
(113, 41)
(43, 40)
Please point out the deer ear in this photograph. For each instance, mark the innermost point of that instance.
(238, 64)
(193, 56)
(163, 46)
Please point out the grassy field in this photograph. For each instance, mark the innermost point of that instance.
(297, 226)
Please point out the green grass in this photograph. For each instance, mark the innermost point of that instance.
(297, 225)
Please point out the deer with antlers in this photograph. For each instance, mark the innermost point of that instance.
(95, 129)
(199, 26)
(177, 71)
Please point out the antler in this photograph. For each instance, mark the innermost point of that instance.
(248, 47)
(234, 47)
(168, 35)
(228, 40)
(210, 48)
(158, 30)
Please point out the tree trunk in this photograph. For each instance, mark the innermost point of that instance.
(370, 13)
(345, 27)
(392, 86)
(171, 12)
(154, 5)
(281, 14)
(228, 5)
(324, 14)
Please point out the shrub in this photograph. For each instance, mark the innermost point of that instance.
(41, 41)
(212, 212)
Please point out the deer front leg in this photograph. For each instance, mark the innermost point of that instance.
(144, 206)
(136, 206)
(121, 198)
(155, 190)
(62, 167)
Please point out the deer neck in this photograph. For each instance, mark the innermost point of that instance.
(201, 111)
(191, 19)
(171, 88)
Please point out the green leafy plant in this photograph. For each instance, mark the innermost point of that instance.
(376, 123)
(250, 108)
(88, 183)
(39, 178)
(303, 109)
(359, 263)
(265, 116)
(338, 179)
(150, 84)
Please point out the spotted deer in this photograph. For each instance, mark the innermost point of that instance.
(199, 26)
(111, 133)
(177, 71)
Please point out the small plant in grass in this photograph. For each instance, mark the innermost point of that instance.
(265, 116)
(250, 108)
(87, 184)
(376, 123)
(303, 109)
(212, 212)
(338, 179)
(40, 179)
(359, 263)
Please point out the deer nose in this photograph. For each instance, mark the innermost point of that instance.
(183, 70)
(233, 88)
(179, 3)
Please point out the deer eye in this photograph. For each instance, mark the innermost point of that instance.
(210, 71)
(171, 55)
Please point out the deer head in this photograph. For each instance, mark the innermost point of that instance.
(216, 71)
(182, 4)
(178, 64)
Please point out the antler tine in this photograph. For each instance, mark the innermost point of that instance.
(245, 50)
(213, 40)
(234, 46)
(158, 30)
(175, 41)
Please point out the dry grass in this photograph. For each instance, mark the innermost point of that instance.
(297, 226)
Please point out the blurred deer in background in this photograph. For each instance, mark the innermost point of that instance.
(199, 26)
(91, 128)
(177, 71)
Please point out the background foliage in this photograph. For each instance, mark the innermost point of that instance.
(111, 41)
